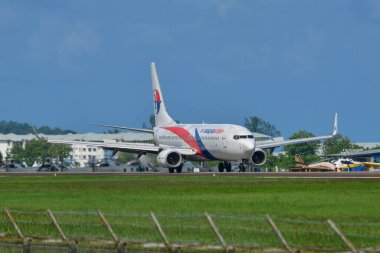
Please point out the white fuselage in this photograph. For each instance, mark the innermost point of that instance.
(210, 141)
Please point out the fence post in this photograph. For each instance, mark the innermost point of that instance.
(121, 247)
(8, 213)
(342, 236)
(105, 222)
(27, 245)
(52, 217)
(279, 235)
(73, 247)
(218, 234)
(162, 233)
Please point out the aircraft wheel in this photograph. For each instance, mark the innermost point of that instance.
(171, 170)
(179, 169)
(228, 166)
(221, 167)
(241, 168)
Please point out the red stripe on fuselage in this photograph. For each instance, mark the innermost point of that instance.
(186, 137)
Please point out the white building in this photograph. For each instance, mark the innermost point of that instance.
(81, 154)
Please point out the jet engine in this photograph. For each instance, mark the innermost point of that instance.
(169, 158)
(259, 157)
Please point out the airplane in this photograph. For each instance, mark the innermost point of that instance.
(175, 143)
(342, 164)
(347, 164)
(318, 166)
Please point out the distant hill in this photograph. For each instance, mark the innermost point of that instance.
(7, 127)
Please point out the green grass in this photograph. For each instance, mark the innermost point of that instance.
(238, 206)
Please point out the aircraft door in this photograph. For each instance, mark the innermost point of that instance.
(224, 138)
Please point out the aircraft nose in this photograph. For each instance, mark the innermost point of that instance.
(248, 147)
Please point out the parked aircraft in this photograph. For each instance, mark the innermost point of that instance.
(318, 166)
(342, 164)
(347, 164)
(175, 143)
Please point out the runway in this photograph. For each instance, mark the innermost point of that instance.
(343, 175)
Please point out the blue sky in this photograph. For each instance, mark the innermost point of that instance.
(293, 63)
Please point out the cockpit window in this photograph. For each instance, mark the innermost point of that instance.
(237, 137)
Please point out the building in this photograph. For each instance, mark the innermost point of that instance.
(81, 154)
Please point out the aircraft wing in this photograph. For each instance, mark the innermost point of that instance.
(368, 165)
(128, 128)
(291, 142)
(129, 147)
(272, 145)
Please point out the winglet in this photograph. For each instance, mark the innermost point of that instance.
(335, 125)
(36, 133)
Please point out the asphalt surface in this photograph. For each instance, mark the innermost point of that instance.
(353, 175)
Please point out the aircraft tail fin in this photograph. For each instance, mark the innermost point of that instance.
(162, 118)
(299, 161)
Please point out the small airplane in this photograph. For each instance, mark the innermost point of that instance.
(342, 164)
(175, 143)
(347, 164)
(319, 166)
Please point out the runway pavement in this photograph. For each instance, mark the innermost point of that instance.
(352, 175)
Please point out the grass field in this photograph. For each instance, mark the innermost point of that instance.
(310, 198)
(300, 207)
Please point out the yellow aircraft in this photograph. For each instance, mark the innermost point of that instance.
(320, 166)
(342, 164)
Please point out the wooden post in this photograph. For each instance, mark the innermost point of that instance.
(279, 235)
(73, 247)
(158, 226)
(8, 213)
(121, 247)
(218, 234)
(105, 222)
(27, 245)
(52, 217)
(342, 236)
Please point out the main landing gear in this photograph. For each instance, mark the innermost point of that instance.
(224, 165)
(178, 169)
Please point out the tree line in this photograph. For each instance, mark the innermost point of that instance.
(7, 127)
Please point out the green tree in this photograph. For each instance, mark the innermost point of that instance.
(17, 153)
(337, 144)
(1, 158)
(304, 149)
(7, 127)
(38, 150)
(281, 161)
(124, 157)
(258, 125)
(59, 151)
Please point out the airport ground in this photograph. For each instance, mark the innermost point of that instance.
(238, 202)
(315, 198)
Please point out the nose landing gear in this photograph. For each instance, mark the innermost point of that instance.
(224, 165)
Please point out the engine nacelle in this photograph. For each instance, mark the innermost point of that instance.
(259, 157)
(169, 158)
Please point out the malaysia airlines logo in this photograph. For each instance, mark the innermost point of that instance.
(157, 101)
